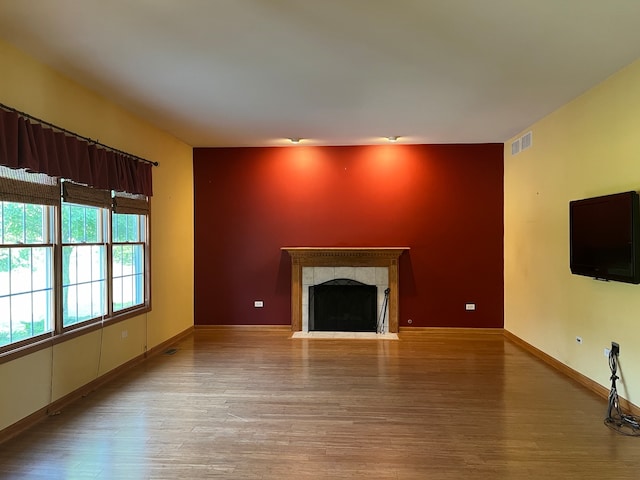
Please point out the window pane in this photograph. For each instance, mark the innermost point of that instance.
(127, 260)
(41, 268)
(117, 293)
(84, 282)
(42, 306)
(92, 230)
(98, 299)
(21, 317)
(126, 227)
(98, 263)
(117, 260)
(13, 224)
(138, 258)
(127, 292)
(133, 228)
(81, 264)
(119, 227)
(85, 303)
(20, 264)
(69, 305)
(5, 321)
(68, 265)
(35, 226)
(81, 224)
(4, 271)
(66, 223)
(77, 224)
(128, 282)
(139, 289)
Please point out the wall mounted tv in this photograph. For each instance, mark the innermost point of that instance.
(604, 237)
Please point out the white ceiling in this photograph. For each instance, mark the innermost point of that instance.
(334, 72)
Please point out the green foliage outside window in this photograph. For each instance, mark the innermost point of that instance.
(20, 224)
(81, 224)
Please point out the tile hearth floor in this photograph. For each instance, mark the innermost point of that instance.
(355, 335)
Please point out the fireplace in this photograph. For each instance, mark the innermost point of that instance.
(343, 305)
(370, 265)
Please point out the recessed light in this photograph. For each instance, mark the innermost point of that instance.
(393, 139)
(295, 140)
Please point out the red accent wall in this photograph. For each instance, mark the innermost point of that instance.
(445, 202)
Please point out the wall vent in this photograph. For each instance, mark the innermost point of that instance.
(515, 147)
(522, 143)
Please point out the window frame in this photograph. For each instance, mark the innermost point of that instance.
(143, 231)
(59, 332)
(100, 241)
(47, 244)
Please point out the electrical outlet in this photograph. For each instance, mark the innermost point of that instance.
(579, 340)
(606, 352)
(258, 304)
(125, 333)
(615, 348)
(469, 307)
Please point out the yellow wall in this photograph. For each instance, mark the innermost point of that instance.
(589, 147)
(30, 383)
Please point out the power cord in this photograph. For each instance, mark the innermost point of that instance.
(383, 312)
(616, 420)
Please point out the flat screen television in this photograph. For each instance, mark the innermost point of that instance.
(604, 237)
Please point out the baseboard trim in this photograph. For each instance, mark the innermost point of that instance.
(578, 377)
(58, 405)
(283, 328)
(450, 330)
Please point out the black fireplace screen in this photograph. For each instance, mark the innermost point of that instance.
(342, 305)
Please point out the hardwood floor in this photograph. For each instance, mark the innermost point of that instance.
(256, 404)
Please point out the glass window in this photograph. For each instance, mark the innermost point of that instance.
(69, 263)
(26, 266)
(84, 273)
(128, 262)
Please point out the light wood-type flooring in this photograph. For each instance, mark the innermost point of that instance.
(251, 403)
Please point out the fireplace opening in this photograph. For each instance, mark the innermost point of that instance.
(343, 305)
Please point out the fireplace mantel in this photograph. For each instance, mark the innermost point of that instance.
(343, 257)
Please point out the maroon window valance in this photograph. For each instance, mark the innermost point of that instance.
(36, 148)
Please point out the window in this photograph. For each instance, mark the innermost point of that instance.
(77, 258)
(128, 263)
(84, 259)
(26, 279)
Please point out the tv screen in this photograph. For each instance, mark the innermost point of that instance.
(604, 237)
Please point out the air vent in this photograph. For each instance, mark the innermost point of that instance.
(515, 147)
(521, 143)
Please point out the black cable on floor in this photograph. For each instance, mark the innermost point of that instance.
(616, 419)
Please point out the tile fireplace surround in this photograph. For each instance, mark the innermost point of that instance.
(343, 257)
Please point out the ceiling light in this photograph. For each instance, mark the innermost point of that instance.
(393, 139)
(295, 140)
